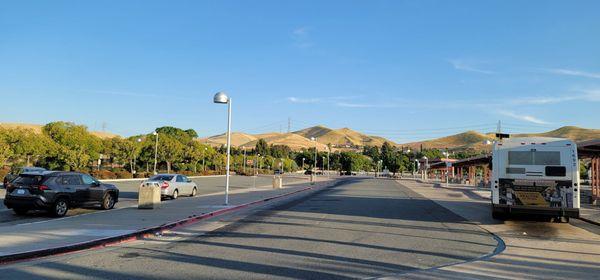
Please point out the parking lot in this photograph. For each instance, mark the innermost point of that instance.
(129, 194)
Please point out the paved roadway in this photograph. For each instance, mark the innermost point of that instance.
(360, 228)
(129, 193)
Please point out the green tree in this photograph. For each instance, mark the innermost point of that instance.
(170, 150)
(75, 159)
(5, 152)
(194, 153)
(262, 147)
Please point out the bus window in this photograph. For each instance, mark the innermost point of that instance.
(533, 158)
(556, 171)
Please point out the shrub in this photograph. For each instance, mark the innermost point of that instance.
(103, 174)
(123, 174)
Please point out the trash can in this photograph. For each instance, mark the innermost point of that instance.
(149, 195)
(277, 182)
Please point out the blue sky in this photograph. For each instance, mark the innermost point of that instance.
(405, 70)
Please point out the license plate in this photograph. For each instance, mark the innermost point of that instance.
(20, 191)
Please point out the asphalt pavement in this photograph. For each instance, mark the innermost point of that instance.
(359, 228)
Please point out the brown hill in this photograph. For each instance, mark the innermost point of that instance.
(475, 140)
(571, 132)
(465, 140)
(294, 141)
(341, 138)
(238, 139)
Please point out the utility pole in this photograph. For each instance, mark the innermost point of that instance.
(289, 125)
(499, 127)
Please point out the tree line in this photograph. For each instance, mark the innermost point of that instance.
(71, 147)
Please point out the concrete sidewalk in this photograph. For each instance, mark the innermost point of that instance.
(74, 230)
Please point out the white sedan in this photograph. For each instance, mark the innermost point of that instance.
(174, 185)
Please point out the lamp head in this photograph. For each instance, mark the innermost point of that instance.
(221, 98)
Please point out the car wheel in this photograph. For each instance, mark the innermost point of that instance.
(108, 202)
(20, 211)
(175, 194)
(194, 191)
(60, 207)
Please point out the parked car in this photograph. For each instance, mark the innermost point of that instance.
(308, 172)
(278, 172)
(15, 173)
(57, 192)
(174, 185)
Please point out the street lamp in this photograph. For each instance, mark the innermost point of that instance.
(426, 167)
(303, 159)
(204, 159)
(316, 151)
(133, 170)
(222, 98)
(155, 151)
(243, 147)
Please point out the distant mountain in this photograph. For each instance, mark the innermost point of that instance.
(37, 128)
(341, 138)
(465, 140)
(237, 139)
(571, 132)
(475, 140)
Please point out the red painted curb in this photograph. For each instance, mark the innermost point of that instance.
(114, 240)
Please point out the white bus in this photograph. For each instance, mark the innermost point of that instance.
(535, 175)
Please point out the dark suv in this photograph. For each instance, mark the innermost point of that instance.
(57, 191)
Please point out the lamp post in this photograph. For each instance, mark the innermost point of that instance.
(303, 159)
(155, 151)
(416, 169)
(316, 151)
(134, 169)
(204, 159)
(222, 98)
(244, 160)
(426, 168)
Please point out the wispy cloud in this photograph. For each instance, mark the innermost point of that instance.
(301, 37)
(589, 95)
(468, 65)
(522, 117)
(572, 72)
(364, 105)
(304, 100)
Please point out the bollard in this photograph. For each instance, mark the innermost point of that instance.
(312, 178)
(149, 196)
(277, 182)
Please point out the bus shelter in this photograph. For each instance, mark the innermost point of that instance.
(591, 150)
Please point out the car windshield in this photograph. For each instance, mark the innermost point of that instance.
(161, 178)
(29, 180)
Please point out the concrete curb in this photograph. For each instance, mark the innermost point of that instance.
(589, 221)
(114, 240)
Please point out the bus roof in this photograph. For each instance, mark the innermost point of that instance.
(547, 141)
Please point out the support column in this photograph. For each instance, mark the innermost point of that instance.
(472, 174)
(486, 174)
(595, 169)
